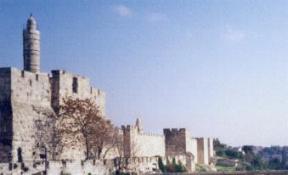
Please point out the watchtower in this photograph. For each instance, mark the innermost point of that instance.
(31, 46)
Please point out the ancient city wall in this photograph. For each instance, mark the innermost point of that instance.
(202, 150)
(65, 85)
(211, 152)
(175, 141)
(138, 144)
(30, 99)
(27, 97)
(127, 135)
(148, 145)
(75, 167)
(191, 147)
(30, 88)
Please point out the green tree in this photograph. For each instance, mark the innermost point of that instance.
(179, 167)
(161, 165)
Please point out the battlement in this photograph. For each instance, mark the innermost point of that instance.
(30, 75)
(16, 73)
(126, 127)
(25, 87)
(65, 84)
(75, 84)
(175, 141)
(174, 131)
(64, 72)
(129, 128)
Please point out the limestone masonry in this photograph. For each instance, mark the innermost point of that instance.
(26, 95)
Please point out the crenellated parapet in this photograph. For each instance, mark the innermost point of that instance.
(65, 84)
(140, 144)
(174, 131)
(26, 87)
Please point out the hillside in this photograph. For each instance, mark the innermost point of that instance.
(250, 157)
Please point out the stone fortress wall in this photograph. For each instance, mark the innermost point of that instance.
(174, 143)
(28, 95)
(27, 92)
(65, 84)
(31, 95)
(140, 144)
(150, 145)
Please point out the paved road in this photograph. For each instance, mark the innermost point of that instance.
(231, 173)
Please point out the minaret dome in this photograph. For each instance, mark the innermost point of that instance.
(31, 23)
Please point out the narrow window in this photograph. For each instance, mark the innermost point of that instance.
(75, 85)
(19, 154)
(30, 82)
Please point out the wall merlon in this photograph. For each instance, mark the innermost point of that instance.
(65, 85)
(151, 134)
(174, 130)
(58, 72)
(126, 127)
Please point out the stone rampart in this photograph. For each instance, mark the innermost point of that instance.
(30, 88)
(148, 145)
(139, 144)
(31, 100)
(28, 97)
(175, 141)
(202, 151)
(95, 167)
(65, 84)
(191, 147)
(211, 152)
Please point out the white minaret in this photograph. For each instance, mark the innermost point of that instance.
(31, 46)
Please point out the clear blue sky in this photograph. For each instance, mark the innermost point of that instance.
(218, 68)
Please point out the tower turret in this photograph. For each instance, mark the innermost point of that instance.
(139, 125)
(31, 46)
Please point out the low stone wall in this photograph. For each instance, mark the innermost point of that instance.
(140, 164)
(77, 168)
(57, 168)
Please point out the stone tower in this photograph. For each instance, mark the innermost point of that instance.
(31, 46)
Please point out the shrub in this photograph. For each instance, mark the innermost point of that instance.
(161, 165)
(171, 167)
